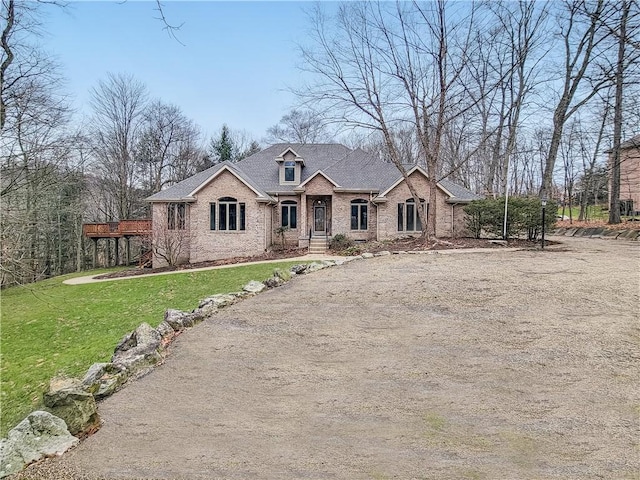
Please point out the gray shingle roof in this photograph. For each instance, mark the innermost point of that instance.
(633, 142)
(460, 193)
(350, 169)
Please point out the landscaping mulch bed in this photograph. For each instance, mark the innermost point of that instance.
(403, 244)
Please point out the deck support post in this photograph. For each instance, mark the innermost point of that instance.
(117, 259)
(95, 252)
(127, 247)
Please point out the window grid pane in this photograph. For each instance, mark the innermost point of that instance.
(354, 217)
(233, 216)
(170, 216)
(410, 217)
(289, 174)
(222, 217)
(293, 216)
(363, 217)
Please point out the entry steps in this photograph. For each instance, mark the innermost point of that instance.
(318, 245)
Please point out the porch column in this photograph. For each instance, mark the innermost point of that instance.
(303, 216)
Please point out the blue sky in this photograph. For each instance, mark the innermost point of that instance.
(233, 66)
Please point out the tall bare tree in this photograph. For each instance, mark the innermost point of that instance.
(119, 104)
(168, 147)
(583, 33)
(394, 67)
(299, 126)
(624, 41)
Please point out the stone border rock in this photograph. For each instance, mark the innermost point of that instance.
(597, 232)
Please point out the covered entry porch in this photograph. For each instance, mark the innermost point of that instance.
(316, 216)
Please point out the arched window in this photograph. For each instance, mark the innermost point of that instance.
(408, 217)
(359, 217)
(289, 216)
(230, 214)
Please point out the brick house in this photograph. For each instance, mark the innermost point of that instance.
(629, 175)
(302, 193)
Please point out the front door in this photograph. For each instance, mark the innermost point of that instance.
(319, 220)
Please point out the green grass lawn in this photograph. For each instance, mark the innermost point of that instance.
(50, 329)
(594, 212)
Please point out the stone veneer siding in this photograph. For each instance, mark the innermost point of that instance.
(388, 211)
(207, 244)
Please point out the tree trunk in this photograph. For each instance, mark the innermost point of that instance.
(614, 193)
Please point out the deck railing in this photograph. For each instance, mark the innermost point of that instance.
(123, 228)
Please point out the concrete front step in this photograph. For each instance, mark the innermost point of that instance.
(318, 245)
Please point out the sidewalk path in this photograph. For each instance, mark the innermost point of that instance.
(93, 279)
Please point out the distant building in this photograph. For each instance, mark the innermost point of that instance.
(629, 175)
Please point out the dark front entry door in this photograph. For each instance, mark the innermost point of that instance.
(319, 220)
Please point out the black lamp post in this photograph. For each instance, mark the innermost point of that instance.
(544, 208)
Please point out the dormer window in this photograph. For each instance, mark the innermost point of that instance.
(290, 167)
(289, 171)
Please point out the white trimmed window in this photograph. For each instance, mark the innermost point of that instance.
(359, 217)
(176, 216)
(408, 217)
(289, 214)
(227, 215)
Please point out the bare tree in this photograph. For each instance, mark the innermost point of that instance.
(619, 82)
(299, 126)
(171, 237)
(582, 32)
(164, 151)
(118, 103)
(393, 67)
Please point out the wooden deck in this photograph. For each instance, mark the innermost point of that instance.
(123, 228)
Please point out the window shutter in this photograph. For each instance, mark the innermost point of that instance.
(212, 216)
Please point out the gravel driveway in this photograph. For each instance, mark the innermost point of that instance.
(501, 365)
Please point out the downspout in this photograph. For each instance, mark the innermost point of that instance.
(453, 220)
(373, 204)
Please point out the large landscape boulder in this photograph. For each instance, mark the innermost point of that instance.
(103, 379)
(180, 320)
(299, 269)
(138, 349)
(254, 287)
(214, 302)
(68, 400)
(39, 435)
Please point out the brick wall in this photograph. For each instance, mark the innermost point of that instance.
(630, 176)
(291, 235)
(207, 244)
(163, 239)
(341, 206)
(388, 211)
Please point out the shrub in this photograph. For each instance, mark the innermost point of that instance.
(340, 242)
(524, 217)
